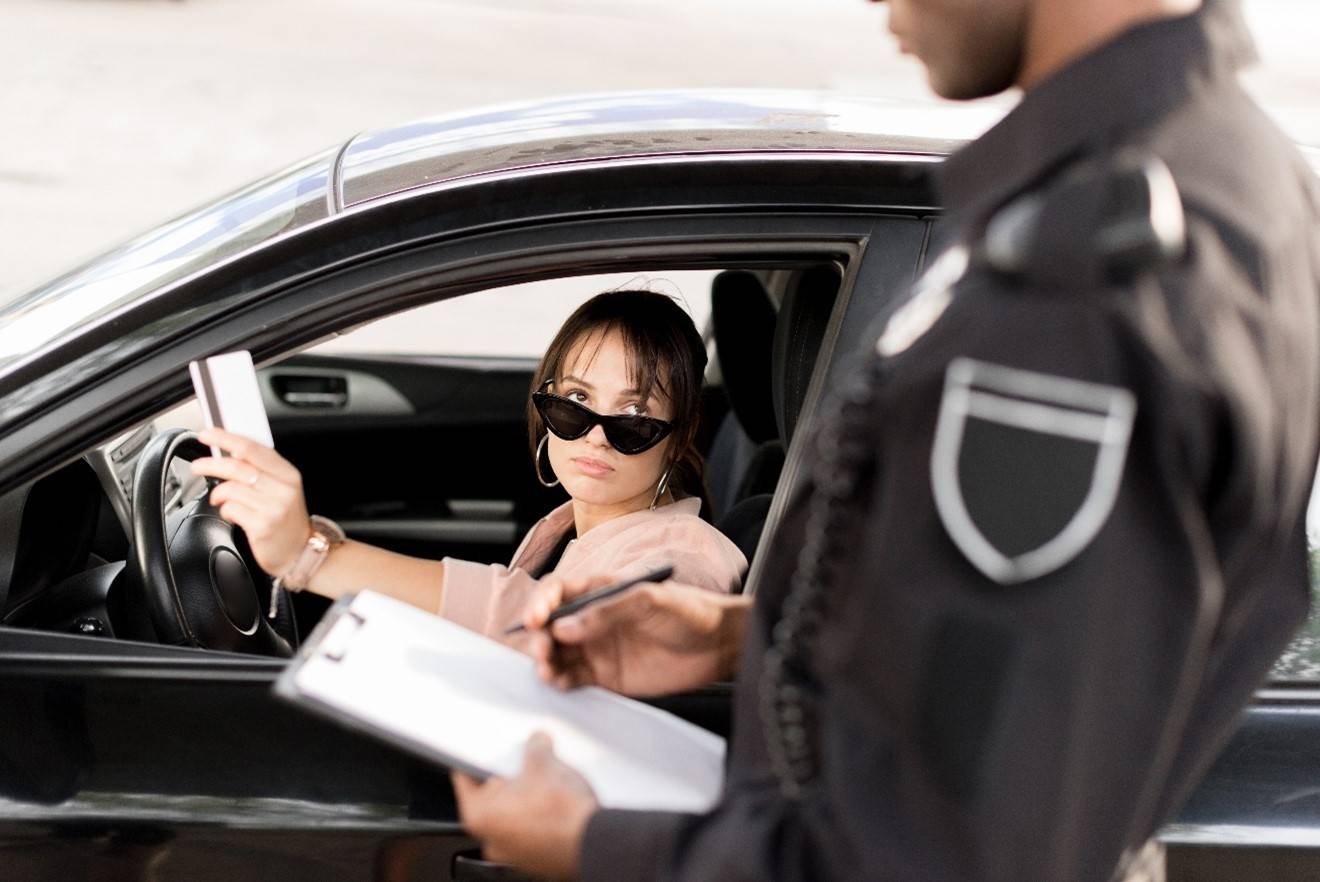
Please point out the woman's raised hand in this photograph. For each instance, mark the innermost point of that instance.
(260, 492)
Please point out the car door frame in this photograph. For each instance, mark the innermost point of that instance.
(82, 681)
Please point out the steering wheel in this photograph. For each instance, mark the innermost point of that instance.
(193, 570)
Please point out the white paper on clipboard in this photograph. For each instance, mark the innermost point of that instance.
(461, 699)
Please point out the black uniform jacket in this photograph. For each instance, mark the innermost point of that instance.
(1082, 542)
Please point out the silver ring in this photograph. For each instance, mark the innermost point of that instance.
(252, 481)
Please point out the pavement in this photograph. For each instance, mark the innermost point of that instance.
(122, 113)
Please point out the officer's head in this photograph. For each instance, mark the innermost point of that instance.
(976, 48)
(971, 48)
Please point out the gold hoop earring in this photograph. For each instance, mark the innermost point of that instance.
(662, 486)
(536, 464)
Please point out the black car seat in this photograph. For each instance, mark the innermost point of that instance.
(799, 332)
(744, 523)
(803, 317)
(746, 444)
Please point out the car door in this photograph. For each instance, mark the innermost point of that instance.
(141, 761)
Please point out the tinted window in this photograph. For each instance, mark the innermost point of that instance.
(516, 321)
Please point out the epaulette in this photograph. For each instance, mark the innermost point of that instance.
(1099, 223)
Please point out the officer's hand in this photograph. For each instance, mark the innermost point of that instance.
(651, 640)
(534, 821)
(262, 493)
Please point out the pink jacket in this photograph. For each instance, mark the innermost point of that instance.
(489, 597)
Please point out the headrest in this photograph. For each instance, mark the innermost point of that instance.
(803, 316)
(743, 321)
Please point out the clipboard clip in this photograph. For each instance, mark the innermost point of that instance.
(335, 642)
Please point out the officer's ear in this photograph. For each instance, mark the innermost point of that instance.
(1106, 223)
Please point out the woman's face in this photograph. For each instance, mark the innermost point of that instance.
(595, 374)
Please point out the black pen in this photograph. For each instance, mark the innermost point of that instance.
(567, 609)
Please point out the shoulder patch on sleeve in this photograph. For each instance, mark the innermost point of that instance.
(1101, 223)
(1026, 466)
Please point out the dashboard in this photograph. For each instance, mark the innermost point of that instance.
(70, 533)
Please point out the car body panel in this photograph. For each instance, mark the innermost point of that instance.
(165, 765)
(588, 127)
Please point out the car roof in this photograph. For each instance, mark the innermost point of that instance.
(638, 124)
(467, 145)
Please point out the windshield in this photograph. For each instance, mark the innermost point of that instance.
(34, 320)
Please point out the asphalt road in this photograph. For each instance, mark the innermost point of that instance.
(121, 113)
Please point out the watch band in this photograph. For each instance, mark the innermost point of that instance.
(325, 535)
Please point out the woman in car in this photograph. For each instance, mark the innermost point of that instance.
(612, 418)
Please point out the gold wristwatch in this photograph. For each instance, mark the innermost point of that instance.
(325, 535)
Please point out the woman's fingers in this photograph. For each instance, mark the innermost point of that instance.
(241, 516)
(229, 469)
(258, 498)
(263, 457)
(269, 516)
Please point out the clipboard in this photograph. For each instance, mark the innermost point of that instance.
(459, 699)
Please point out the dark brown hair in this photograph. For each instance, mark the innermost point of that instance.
(666, 355)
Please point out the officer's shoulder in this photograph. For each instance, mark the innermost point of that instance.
(1102, 220)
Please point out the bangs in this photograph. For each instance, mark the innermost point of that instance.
(649, 366)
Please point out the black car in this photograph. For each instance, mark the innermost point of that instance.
(792, 220)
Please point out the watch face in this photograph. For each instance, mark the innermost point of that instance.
(332, 532)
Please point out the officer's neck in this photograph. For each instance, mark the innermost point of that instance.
(1061, 31)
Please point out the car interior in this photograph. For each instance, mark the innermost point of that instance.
(410, 432)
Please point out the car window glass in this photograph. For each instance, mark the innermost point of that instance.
(1301, 660)
(144, 267)
(514, 321)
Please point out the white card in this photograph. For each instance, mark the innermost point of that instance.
(230, 396)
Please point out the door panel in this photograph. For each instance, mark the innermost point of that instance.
(425, 456)
(181, 764)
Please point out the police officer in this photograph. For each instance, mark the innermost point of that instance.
(1055, 534)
